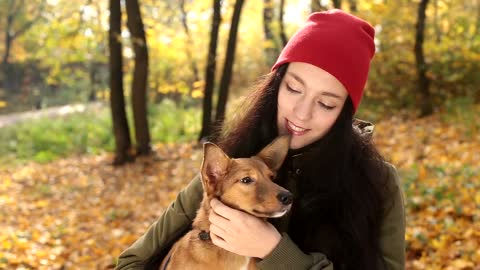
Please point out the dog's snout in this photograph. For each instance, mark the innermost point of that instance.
(285, 198)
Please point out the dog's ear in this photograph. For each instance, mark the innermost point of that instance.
(214, 166)
(274, 153)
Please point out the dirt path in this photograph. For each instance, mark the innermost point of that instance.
(10, 119)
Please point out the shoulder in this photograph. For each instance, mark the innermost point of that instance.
(394, 184)
(392, 175)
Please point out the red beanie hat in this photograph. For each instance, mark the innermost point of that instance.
(338, 43)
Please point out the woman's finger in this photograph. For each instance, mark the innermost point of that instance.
(217, 231)
(218, 241)
(223, 210)
(218, 220)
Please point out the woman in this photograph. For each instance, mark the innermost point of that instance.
(348, 207)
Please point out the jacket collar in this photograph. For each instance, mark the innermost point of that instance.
(364, 128)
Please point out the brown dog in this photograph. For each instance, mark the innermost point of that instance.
(244, 184)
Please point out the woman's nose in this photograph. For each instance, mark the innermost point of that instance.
(303, 109)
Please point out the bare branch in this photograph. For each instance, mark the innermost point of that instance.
(29, 24)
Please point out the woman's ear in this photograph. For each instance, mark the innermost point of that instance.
(274, 154)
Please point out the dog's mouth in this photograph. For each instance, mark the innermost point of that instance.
(272, 214)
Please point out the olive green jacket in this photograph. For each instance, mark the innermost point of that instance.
(287, 255)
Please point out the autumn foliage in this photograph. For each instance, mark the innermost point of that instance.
(80, 212)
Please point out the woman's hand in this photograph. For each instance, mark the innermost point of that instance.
(241, 233)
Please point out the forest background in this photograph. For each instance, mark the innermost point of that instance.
(103, 105)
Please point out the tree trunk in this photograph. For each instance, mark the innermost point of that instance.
(438, 33)
(14, 12)
(337, 4)
(271, 48)
(477, 24)
(228, 65)
(316, 5)
(423, 82)
(283, 36)
(353, 6)
(140, 74)
(210, 73)
(92, 71)
(9, 32)
(8, 42)
(117, 100)
(6, 78)
(189, 45)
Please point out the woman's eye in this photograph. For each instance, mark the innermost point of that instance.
(246, 180)
(325, 106)
(290, 89)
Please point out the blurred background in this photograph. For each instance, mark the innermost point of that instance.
(103, 105)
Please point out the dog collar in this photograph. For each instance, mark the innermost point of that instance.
(203, 235)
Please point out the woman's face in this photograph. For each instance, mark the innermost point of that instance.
(309, 101)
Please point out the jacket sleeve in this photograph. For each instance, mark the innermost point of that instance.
(392, 241)
(287, 255)
(175, 219)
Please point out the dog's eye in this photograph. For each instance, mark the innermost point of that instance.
(246, 180)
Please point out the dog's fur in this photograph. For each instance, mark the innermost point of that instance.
(229, 180)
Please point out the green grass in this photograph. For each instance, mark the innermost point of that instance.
(464, 112)
(171, 123)
(44, 140)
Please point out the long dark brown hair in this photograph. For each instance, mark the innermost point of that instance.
(344, 183)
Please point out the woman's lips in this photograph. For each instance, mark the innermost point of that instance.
(295, 130)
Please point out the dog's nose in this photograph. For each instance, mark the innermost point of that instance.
(285, 198)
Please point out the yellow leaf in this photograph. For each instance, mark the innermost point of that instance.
(22, 244)
(198, 84)
(476, 256)
(462, 264)
(42, 203)
(468, 233)
(6, 244)
(422, 172)
(41, 253)
(197, 93)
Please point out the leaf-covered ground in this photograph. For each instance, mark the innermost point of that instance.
(80, 212)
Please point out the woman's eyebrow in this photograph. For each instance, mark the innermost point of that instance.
(296, 77)
(330, 94)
